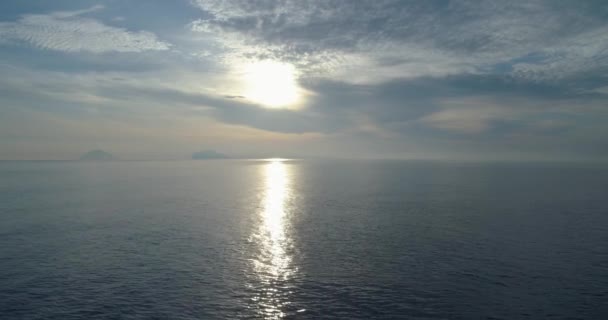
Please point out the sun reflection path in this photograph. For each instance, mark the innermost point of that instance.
(273, 266)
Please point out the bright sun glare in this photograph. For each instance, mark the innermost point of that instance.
(272, 84)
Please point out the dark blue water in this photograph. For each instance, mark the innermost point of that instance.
(302, 240)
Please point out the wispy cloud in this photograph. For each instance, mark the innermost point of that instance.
(383, 40)
(71, 32)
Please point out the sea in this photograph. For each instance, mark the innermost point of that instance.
(303, 239)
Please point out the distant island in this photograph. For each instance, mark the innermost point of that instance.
(97, 155)
(208, 154)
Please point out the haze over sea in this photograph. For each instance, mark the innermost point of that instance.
(303, 239)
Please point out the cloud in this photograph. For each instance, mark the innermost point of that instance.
(69, 31)
(475, 115)
(461, 121)
(371, 42)
(380, 76)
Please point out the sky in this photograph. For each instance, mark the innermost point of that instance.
(151, 79)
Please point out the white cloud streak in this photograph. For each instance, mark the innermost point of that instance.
(70, 32)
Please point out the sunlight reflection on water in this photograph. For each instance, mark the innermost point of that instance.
(273, 266)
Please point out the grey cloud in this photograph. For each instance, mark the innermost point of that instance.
(478, 113)
(454, 35)
(231, 111)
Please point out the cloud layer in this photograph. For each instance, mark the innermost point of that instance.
(451, 79)
(527, 39)
(70, 32)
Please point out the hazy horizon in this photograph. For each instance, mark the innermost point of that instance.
(287, 157)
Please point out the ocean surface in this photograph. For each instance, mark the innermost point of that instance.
(251, 239)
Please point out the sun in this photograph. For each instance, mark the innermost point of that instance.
(272, 84)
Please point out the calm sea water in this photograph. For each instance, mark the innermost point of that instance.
(302, 240)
